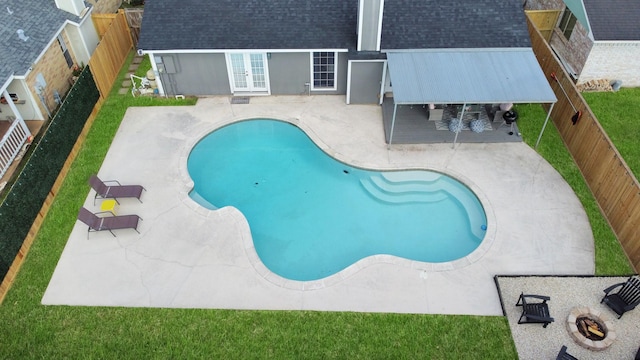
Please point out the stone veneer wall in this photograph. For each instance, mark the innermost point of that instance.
(613, 61)
(575, 50)
(56, 73)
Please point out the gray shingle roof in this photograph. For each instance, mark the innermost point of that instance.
(308, 24)
(614, 19)
(247, 24)
(40, 20)
(433, 24)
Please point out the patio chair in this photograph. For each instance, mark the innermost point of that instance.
(96, 223)
(564, 355)
(625, 299)
(105, 191)
(536, 313)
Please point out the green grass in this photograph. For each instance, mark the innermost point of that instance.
(617, 113)
(30, 330)
(610, 259)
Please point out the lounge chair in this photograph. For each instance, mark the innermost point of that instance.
(97, 223)
(564, 355)
(537, 312)
(105, 191)
(625, 299)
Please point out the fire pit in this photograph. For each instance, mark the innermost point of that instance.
(590, 329)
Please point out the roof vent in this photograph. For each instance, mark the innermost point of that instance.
(21, 35)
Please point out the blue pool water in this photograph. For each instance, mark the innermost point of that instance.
(312, 216)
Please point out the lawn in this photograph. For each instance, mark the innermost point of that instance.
(30, 330)
(617, 113)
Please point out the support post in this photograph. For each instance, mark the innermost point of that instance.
(455, 139)
(544, 126)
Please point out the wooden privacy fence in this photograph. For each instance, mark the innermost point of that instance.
(612, 183)
(108, 58)
(545, 21)
(134, 19)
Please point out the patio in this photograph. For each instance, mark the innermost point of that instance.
(566, 292)
(414, 126)
(189, 257)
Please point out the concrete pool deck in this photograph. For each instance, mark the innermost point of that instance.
(188, 257)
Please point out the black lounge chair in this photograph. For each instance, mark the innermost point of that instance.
(564, 355)
(536, 313)
(105, 191)
(96, 223)
(625, 299)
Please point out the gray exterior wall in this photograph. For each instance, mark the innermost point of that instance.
(194, 74)
(369, 24)
(288, 73)
(206, 74)
(366, 78)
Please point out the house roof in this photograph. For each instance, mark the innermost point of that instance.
(431, 24)
(452, 76)
(248, 24)
(614, 20)
(40, 20)
(329, 24)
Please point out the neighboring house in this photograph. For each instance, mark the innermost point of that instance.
(41, 42)
(413, 51)
(596, 39)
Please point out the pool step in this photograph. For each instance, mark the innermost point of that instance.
(385, 189)
(400, 187)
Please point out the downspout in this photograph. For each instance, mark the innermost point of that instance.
(544, 125)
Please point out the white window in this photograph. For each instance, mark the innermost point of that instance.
(324, 68)
(567, 23)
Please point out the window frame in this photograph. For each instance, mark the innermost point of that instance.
(65, 51)
(334, 71)
(567, 23)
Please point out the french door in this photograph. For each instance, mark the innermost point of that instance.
(248, 72)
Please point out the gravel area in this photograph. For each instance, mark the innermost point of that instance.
(535, 342)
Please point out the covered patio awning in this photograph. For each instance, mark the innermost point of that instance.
(467, 76)
(472, 76)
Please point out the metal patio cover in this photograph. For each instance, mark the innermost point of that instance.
(468, 76)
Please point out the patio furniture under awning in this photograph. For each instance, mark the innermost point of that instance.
(467, 76)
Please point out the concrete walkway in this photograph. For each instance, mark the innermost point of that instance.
(190, 257)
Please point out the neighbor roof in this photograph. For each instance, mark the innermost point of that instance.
(615, 20)
(457, 76)
(329, 24)
(434, 24)
(40, 20)
(248, 24)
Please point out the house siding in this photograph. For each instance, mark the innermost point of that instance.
(289, 72)
(195, 74)
(206, 74)
(366, 80)
(613, 61)
(56, 73)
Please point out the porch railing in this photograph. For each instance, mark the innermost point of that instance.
(11, 143)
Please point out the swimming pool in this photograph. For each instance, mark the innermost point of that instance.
(312, 216)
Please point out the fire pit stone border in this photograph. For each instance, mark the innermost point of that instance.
(581, 339)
